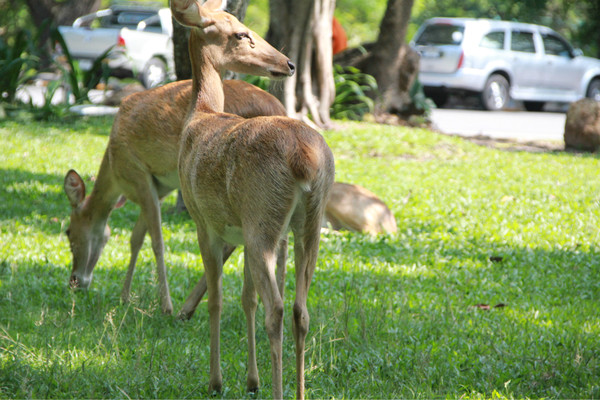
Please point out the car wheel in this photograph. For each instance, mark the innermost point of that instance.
(495, 94)
(534, 105)
(593, 91)
(154, 73)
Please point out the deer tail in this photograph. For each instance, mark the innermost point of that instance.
(304, 161)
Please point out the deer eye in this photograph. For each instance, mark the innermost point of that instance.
(245, 35)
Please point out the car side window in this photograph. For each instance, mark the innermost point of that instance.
(555, 46)
(522, 41)
(493, 40)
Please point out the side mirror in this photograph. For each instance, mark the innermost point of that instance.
(577, 53)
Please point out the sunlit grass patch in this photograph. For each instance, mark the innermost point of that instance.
(489, 289)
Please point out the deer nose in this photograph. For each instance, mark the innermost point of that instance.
(292, 67)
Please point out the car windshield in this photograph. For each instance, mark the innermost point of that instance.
(441, 34)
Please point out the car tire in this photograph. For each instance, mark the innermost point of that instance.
(534, 105)
(496, 93)
(593, 91)
(154, 73)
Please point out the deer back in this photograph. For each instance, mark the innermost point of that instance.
(234, 169)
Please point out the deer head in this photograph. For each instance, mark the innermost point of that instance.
(227, 44)
(87, 236)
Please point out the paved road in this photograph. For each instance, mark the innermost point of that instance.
(516, 125)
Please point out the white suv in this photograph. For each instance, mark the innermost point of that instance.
(139, 35)
(500, 60)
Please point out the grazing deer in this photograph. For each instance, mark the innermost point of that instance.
(248, 182)
(140, 163)
(355, 208)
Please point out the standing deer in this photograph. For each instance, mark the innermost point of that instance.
(248, 182)
(140, 163)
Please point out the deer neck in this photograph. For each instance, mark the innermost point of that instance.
(104, 195)
(207, 83)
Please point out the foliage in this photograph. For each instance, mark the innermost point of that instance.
(18, 65)
(49, 109)
(16, 62)
(399, 316)
(421, 104)
(360, 19)
(262, 82)
(257, 16)
(15, 17)
(353, 92)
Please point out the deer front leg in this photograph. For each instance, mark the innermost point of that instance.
(191, 303)
(212, 256)
(137, 240)
(249, 303)
(150, 206)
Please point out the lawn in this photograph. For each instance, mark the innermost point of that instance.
(490, 288)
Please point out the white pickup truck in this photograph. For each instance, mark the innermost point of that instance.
(139, 35)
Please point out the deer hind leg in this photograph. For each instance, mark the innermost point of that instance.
(306, 248)
(212, 250)
(137, 240)
(261, 261)
(281, 265)
(249, 304)
(191, 303)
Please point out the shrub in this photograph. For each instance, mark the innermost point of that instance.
(16, 63)
(352, 90)
(81, 82)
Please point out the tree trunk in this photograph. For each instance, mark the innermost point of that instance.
(57, 13)
(388, 54)
(393, 64)
(302, 31)
(60, 12)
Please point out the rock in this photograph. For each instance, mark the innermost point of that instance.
(354, 208)
(582, 127)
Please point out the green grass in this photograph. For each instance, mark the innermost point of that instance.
(391, 317)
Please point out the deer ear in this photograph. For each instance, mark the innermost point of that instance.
(192, 14)
(215, 5)
(74, 188)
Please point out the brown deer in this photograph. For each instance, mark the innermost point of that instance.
(140, 163)
(248, 182)
(355, 208)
